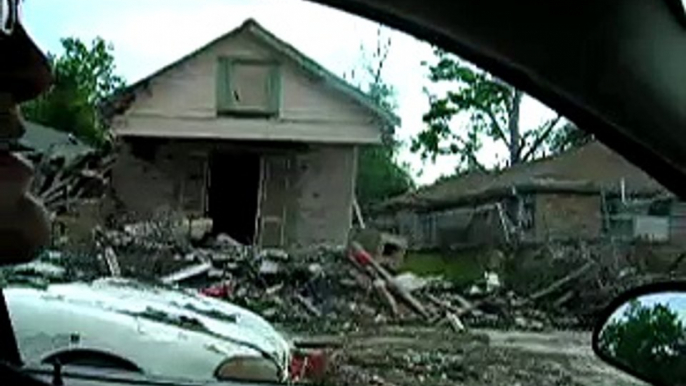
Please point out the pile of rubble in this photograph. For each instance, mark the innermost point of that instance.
(341, 287)
(59, 183)
(320, 283)
(338, 288)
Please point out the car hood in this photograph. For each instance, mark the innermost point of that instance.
(136, 320)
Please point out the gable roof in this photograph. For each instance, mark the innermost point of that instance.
(589, 169)
(122, 100)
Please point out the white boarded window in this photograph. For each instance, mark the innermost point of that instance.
(248, 87)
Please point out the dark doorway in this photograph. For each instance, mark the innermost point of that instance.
(233, 194)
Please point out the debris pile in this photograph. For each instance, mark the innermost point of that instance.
(326, 285)
(145, 250)
(58, 183)
(346, 288)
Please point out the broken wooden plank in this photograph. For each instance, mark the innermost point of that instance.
(187, 273)
(503, 223)
(365, 259)
(443, 304)
(467, 309)
(455, 322)
(112, 262)
(404, 295)
(308, 306)
(274, 289)
(558, 284)
(464, 303)
(386, 296)
(561, 300)
(358, 214)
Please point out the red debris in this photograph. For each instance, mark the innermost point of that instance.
(361, 256)
(308, 365)
(221, 290)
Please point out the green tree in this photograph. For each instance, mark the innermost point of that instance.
(379, 176)
(84, 76)
(648, 340)
(568, 136)
(493, 111)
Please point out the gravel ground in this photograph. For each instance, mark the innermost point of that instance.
(430, 356)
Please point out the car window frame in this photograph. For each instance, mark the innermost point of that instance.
(606, 132)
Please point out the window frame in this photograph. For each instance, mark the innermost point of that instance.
(225, 103)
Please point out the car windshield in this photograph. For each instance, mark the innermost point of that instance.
(279, 191)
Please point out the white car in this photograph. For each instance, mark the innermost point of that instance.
(148, 329)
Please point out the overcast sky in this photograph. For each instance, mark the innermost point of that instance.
(148, 34)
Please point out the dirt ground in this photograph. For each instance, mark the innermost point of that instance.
(411, 356)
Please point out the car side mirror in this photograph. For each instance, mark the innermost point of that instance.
(643, 333)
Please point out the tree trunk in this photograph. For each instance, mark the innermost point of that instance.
(513, 128)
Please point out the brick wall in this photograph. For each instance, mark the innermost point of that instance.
(312, 199)
(144, 184)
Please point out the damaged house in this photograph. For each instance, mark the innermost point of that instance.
(585, 193)
(249, 132)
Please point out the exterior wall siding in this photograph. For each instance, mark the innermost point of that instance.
(182, 101)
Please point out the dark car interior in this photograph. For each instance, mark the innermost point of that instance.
(614, 68)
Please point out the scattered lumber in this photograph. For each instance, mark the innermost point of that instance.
(187, 273)
(558, 284)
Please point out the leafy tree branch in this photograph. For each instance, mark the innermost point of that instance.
(380, 176)
(491, 109)
(84, 75)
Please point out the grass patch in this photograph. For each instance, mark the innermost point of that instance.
(459, 267)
